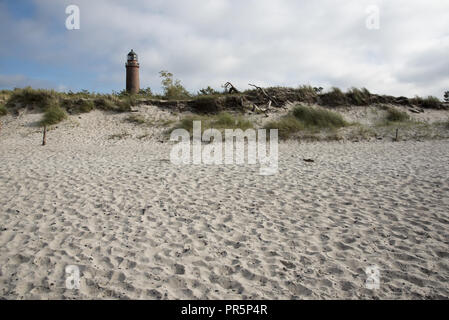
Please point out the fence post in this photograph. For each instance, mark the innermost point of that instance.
(44, 138)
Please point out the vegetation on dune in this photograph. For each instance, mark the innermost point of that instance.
(53, 115)
(29, 97)
(209, 91)
(79, 102)
(287, 126)
(308, 94)
(359, 97)
(78, 105)
(335, 97)
(306, 118)
(211, 101)
(395, 115)
(318, 117)
(173, 89)
(430, 102)
(3, 110)
(223, 120)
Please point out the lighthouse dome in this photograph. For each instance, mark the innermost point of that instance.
(132, 56)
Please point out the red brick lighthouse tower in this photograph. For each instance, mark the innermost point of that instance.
(132, 73)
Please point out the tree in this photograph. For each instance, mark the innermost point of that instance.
(446, 96)
(173, 89)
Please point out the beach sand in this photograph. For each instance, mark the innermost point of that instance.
(139, 227)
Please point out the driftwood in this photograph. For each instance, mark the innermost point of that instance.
(271, 99)
(229, 88)
(265, 111)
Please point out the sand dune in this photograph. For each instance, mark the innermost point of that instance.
(140, 227)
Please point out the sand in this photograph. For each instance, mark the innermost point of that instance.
(140, 227)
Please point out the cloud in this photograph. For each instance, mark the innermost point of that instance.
(209, 42)
(20, 81)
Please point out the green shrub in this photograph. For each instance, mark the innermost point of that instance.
(53, 115)
(335, 97)
(395, 115)
(446, 96)
(173, 90)
(318, 117)
(3, 110)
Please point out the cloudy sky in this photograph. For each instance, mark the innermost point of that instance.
(208, 42)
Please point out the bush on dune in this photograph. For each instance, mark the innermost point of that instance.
(53, 115)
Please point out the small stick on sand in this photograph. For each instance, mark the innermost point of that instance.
(44, 138)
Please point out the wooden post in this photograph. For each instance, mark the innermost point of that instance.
(44, 138)
(397, 130)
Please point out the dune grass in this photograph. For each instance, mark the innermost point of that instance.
(358, 97)
(221, 121)
(429, 102)
(306, 118)
(287, 126)
(39, 98)
(335, 97)
(53, 115)
(79, 102)
(395, 115)
(318, 117)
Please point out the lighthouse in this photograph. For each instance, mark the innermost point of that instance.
(132, 73)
